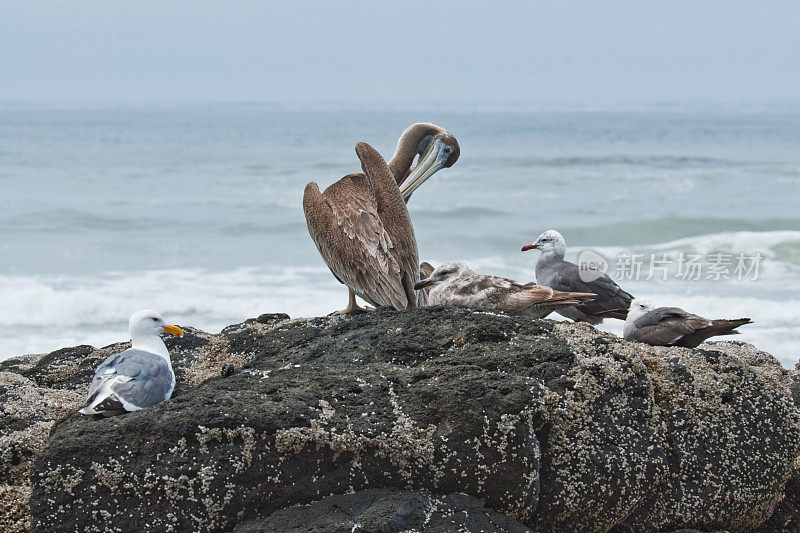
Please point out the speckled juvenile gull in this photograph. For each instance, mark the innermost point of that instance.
(455, 283)
(138, 377)
(672, 326)
(610, 300)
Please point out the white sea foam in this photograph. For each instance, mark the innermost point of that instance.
(43, 313)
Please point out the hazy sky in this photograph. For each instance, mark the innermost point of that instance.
(435, 50)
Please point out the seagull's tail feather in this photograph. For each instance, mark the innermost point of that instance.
(725, 327)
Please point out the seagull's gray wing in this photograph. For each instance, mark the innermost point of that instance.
(610, 300)
(151, 378)
(666, 326)
(138, 378)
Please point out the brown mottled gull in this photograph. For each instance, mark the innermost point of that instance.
(455, 283)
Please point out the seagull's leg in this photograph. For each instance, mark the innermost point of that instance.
(352, 305)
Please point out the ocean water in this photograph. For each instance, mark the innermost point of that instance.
(195, 210)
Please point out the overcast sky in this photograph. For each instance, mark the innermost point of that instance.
(435, 50)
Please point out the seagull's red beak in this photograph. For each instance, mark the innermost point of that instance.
(529, 247)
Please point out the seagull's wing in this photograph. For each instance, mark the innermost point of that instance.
(609, 301)
(475, 291)
(666, 326)
(520, 297)
(130, 380)
(104, 373)
(496, 293)
(151, 379)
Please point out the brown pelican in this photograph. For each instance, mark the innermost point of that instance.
(672, 326)
(361, 226)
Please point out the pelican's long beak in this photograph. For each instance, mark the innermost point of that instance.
(173, 330)
(428, 165)
(529, 247)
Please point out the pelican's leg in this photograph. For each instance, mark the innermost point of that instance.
(352, 305)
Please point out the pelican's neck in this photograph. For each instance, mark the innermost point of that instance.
(150, 343)
(407, 147)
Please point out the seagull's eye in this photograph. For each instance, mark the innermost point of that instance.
(154, 319)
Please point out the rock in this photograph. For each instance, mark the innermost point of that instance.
(553, 425)
(386, 510)
(27, 413)
(269, 318)
(323, 409)
(66, 368)
(786, 516)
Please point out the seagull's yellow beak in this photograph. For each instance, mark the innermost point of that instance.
(173, 330)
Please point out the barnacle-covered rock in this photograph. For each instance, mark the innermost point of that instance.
(550, 425)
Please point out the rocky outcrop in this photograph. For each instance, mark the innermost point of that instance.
(427, 414)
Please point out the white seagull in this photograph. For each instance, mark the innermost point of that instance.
(138, 377)
(610, 301)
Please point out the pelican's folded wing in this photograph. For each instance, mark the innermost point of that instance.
(351, 238)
